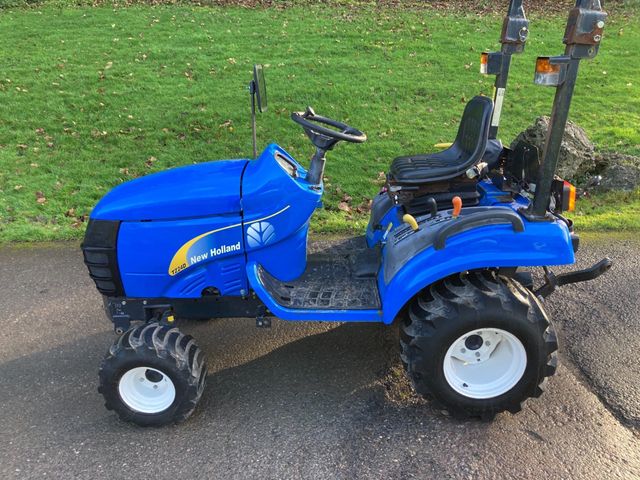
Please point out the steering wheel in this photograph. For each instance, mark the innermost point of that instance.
(322, 136)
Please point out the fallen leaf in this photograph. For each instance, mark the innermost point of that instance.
(97, 133)
(108, 65)
(344, 206)
(70, 213)
(17, 187)
(365, 206)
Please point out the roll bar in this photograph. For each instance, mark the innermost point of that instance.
(582, 38)
(515, 30)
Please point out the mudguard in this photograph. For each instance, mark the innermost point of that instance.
(413, 260)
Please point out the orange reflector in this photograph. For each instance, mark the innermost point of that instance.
(544, 66)
(484, 60)
(571, 204)
(549, 73)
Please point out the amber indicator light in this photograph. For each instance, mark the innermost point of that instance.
(571, 204)
(544, 66)
(484, 60)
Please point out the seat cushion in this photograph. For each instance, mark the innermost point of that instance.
(419, 168)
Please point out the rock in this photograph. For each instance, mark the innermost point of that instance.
(621, 172)
(577, 156)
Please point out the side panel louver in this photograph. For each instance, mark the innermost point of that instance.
(100, 256)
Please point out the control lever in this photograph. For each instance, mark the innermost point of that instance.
(457, 206)
(411, 221)
(432, 205)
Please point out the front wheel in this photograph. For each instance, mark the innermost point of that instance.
(153, 375)
(477, 343)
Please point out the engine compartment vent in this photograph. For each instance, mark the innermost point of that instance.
(100, 256)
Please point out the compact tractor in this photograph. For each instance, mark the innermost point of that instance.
(447, 256)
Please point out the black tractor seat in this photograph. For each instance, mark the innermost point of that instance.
(413, 179)
(466, 150)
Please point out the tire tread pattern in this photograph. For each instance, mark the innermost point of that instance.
(154, 342)
(469, 295)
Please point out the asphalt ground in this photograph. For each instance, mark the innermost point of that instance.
(310, 400)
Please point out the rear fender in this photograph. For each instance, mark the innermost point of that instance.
(540, 244)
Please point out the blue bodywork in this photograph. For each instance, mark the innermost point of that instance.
(216, 223)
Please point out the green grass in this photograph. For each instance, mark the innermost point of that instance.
(613, 211)
(92, 97)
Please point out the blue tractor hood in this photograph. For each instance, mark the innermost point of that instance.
(201, 190)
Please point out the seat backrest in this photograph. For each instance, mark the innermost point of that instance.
(473, 131)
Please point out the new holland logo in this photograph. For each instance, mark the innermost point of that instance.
(215, 243)
(260, 233)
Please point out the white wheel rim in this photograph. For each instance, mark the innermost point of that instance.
(146, 390)
(485, 363)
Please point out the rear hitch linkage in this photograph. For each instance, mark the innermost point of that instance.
(553, 281)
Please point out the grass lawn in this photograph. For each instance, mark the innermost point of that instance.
(91, 97)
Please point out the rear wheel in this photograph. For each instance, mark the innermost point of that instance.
(153, 375)
(478, 344)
